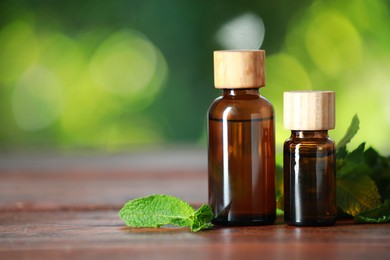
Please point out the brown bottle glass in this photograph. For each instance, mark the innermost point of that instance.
(241, 158)
(309, 179)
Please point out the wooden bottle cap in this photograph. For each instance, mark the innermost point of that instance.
(239, 69)
(309, 110)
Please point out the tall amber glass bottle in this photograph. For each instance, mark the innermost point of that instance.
(241, 142)
(309, 159)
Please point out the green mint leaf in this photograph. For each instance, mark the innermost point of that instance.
(160, 210)
(371, 157)
(352, 162)
(202, 218)
(379, 170)
(357, 155)
(341, 152)
(356, 193)
(157, 211)
(352, 130)
(380, 214)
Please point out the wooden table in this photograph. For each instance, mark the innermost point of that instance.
(54, 207)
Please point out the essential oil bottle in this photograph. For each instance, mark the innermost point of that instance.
(309, 159)
(241, 142)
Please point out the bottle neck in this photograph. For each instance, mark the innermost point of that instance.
(240, 92)
(312, 134)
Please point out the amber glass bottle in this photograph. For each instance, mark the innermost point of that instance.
(241, 146)
(309, 159)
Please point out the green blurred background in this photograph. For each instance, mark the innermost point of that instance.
(120, 75)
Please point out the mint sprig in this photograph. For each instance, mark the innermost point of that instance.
(351, 132)
(363, 178)
(160, 210)
(376, 215)
(356, 193)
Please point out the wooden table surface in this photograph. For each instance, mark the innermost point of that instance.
(55, 207)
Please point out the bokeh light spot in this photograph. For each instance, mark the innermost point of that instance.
(333, 43)
(64, 56)
(19, 49)
(243, 32)
(124, 63)
(285, 72)
(37, 99)
(126, 73)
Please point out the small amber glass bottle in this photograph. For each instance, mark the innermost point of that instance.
(241, 146)
(309, 159)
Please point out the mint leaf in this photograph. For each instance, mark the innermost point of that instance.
(379, 170)
(156, 211)
(351, 162)
(356, 193)
(202, 218)
(159, 210)
(341, 152)
(380, 214)
(351, 132)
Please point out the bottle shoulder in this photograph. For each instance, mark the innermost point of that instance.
(309, 144)
(241, 108)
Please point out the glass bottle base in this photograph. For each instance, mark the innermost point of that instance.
(245, 220)
(312, 223)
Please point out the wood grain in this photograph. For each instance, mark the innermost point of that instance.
(309, 110)
(239, 69)
(72, 213)
(84, 189)
(101, 235)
